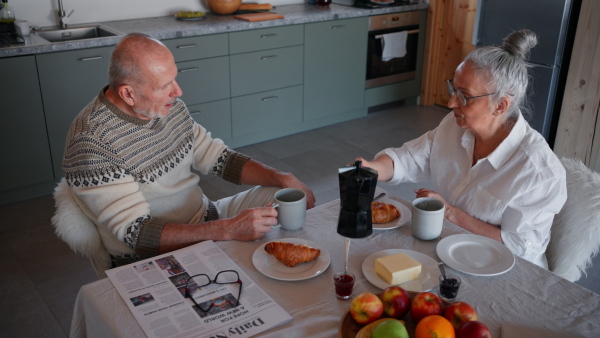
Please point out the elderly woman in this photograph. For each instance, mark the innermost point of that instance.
(496, 175)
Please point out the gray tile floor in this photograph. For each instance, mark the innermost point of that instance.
(41, 275)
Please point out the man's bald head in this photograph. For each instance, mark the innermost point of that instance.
(136, 53)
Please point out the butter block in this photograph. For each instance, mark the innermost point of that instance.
(397, 269)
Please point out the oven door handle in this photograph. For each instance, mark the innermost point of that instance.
(414, 31)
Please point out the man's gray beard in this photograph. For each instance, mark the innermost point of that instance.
(148, 114)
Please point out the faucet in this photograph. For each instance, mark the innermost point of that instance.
(63, 19)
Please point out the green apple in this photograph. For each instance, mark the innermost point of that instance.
(390, 329)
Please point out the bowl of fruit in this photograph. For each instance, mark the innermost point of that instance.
(397, 313)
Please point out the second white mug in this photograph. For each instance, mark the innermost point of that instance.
(291, 208)
(427, 218)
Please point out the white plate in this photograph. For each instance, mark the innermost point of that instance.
(405, 216)
(475, 255)
(427, 280)
(269, 266)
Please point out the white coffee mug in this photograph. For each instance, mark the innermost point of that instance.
(22, 27)
(427, 218)
(291, 208)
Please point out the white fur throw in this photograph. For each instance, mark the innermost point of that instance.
(575, 237)
(73, 226)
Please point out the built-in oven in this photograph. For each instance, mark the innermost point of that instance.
(393, 48)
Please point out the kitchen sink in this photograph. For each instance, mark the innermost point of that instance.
(75, 33)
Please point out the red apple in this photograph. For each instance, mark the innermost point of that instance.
(396, 302)
(459, 313)
(473, 329)
(366, 308)
(425, 304)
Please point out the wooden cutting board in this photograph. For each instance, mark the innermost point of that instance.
(252, 17)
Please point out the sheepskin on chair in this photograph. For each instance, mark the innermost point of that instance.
(73, 226)
(575, 237)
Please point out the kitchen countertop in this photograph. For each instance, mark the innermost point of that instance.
(168, 28)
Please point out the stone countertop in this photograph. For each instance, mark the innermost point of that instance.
(168, 28)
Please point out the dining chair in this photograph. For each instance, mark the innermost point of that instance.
(575, 234)
(74, 227)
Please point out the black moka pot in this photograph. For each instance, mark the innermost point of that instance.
(357, 189)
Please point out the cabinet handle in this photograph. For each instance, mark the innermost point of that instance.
(338, 27)
(193, 45)
(268, 57)
(414, 31)
(269, 98)
(265, 36)
(193, 69)
(196, 112)
(90, 58)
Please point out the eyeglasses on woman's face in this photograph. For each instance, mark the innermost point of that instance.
(224, 277)
(462, 99)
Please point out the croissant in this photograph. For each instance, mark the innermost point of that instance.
(383, 212)
(291, 254)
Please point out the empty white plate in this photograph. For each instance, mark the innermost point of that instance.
(475, 255)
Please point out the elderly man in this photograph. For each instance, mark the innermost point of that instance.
(129, 159)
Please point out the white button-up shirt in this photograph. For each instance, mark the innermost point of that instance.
(519, 187)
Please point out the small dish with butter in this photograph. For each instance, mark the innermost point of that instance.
(427, 279)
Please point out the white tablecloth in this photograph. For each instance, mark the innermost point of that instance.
(526, 296)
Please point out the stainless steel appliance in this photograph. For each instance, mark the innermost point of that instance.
(554, 21)
(380, 71)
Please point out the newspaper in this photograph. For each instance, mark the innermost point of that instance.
(155, 292)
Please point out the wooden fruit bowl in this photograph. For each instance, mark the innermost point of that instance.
(224, 6)
(351, 329)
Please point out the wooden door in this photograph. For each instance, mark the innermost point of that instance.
(450, 27)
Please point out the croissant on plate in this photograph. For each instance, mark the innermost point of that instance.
(383, 212)
(291, 254)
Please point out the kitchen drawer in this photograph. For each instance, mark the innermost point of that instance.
(198, 47)
(267, 38)
(204, 80)
(265, 111)
(266, 70)
(214, 116)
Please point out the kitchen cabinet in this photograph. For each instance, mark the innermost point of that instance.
(266, 70)
(215, 116)
(335, 59)
(69, 81)
(265, 111)
(202, 66)
(25, 151)
(266, 82)
(265, 38)
(204, 80)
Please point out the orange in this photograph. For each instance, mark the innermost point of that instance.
(434, 326)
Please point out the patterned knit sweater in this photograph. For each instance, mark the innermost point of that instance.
(132, 176)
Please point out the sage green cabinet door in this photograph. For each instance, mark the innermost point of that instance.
(265, 38)
(266, 70)
(335, 61)
(214, 116)
(198, 47)
(69, 81)
(24, 145)
(204, 80)
(266, 111)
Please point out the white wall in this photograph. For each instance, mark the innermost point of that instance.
(44, 12)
